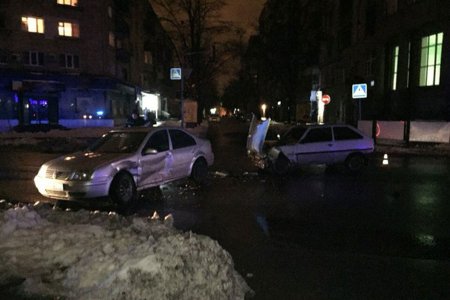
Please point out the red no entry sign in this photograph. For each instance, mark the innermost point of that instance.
(326, 98)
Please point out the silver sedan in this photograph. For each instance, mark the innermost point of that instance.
(124, 162)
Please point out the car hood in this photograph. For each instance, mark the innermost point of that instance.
(86, 160)
(256, 135)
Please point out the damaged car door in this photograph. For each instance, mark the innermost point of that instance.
(316, 147)
(183, 150)
(156, 161)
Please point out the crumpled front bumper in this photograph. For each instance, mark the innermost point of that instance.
(260, 161)
(70, 190)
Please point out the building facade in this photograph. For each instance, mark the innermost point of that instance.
(65, 60)
(399, 48)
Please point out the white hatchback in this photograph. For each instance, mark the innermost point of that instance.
(312, 144)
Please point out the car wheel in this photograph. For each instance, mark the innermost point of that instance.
(199, 171)
(355, 162)
(62, 204)
(281, 165)
(123, 189)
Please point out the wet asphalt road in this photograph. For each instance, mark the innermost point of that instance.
(319, 233)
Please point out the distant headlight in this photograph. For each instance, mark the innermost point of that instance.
(80, 175)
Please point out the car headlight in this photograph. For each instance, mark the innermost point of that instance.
(42, 171)
(80, 175)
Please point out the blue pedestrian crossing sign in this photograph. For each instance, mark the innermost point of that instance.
(359, 91)
(175, 73)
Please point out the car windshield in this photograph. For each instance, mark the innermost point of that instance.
(118, 142)
(292, 136)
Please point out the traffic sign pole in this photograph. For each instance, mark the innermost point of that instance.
(182, 100)
(359, 108)
(359, 92)
(177, 74)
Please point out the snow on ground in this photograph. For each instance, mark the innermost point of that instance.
(98, 255)
(33, 138)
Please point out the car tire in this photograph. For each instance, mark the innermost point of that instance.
(199, 171)
(123, 189)
(355, 162)
(281, 165)
(62, 204)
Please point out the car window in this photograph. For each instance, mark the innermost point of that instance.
(293, 135)
(118, 142)
(180, 139)
(345, 133)
(158, 141)
(316, 135)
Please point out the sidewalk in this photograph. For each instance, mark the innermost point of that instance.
(425, 149)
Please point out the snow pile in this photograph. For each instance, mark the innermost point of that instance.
(74, 132)
(95, 255)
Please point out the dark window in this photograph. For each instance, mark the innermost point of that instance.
(294, 135)
(180, 139)
(345, 133)
(316, 135)
(371, 18)
(158, 141)
(33, 58)
(3, 57)
(69, 61)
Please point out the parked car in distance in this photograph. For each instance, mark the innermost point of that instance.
(125, 161)
(214, 118)
(311, 144)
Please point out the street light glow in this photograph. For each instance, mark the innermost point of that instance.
(263, 107)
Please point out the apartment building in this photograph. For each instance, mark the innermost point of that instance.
(65, 60)
(399, 48)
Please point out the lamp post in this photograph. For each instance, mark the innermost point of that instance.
(279, 110)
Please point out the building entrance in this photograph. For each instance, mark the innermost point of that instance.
(40, 110)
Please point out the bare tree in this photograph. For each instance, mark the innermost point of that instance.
(204, 43)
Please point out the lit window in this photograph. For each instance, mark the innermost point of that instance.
(32, 24)
(395, 67)
(68, 29)
(68, 2)
(69, 61)
(430, 60)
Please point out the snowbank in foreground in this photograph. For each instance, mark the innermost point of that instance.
(93, 255)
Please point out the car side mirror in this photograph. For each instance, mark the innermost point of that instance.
(150, 151)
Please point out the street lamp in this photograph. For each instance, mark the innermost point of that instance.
(279, 110)
(263, 107)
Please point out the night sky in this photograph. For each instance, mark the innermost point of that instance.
(244, 13)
